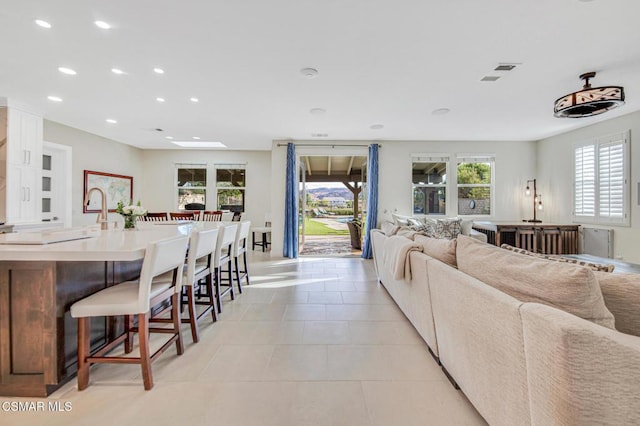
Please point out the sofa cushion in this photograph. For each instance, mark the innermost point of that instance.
(593, 266)
(568, 287)
(622, 296)
(442, 249)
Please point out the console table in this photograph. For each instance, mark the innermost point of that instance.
(545, 238)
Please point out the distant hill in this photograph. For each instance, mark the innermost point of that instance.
(321, 193)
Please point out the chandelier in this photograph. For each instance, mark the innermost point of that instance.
(589, 101)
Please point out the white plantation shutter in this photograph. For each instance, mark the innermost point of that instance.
(585, 182)
(601, 174)
(612, 182)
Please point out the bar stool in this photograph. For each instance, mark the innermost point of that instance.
(264, 243)
(202, 245)
(240, 249)
(222, 255)
(134, 298)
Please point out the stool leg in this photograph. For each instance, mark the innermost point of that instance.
(230, 266)
(177, 321)
(193, 319)
(246, 269)
(128, 342)
(145, 359)
(218, 277)
(237, 271)
(253, 240)
(212, 297)
(84, 349)
(264, 240)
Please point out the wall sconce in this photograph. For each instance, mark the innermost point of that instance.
(537, 200)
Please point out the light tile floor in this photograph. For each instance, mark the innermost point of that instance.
(310, 342)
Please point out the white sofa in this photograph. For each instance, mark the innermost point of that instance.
(519, 362)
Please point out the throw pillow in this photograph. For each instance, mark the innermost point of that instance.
(400, 220)
(593, 266)
(465, 226)
(389, 228)
(564, 286)
(441, 249)
(622, 296)
(447, 228)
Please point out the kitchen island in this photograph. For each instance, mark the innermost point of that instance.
(38, 285)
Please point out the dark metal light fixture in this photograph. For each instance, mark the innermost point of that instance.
(537, 200)
(589, 101)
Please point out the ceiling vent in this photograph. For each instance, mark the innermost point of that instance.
(490, 78)
(589, 101)
(505, 67)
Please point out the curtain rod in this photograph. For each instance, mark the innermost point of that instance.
(332, 145)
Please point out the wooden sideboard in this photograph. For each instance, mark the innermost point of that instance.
(545, 238)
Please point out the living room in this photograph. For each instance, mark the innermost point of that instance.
(420, 79)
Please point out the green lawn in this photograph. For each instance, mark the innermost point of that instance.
(313, 227)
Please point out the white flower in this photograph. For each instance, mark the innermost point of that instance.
(134, 210)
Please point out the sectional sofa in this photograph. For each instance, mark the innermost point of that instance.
(510, 330)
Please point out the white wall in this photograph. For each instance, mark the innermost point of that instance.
(92, 152)
(158, 184)
(556, 174)
(515, 164)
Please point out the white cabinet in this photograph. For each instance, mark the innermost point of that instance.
(23, 167)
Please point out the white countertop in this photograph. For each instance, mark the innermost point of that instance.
(117, 245)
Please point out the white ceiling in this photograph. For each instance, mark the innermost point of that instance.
(380, 62)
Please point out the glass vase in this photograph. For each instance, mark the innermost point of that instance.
(130, 222)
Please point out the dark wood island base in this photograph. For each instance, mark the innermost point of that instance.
(38, 337)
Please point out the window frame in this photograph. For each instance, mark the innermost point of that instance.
(225, 166)
(432, 158)
(477, 158)
(621, 138)
(177, 187)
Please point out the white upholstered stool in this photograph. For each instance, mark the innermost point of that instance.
(134, 298)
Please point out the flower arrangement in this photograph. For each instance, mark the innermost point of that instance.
(130, 213)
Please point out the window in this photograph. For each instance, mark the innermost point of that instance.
(429, 182)
(475, 185)
(191, 186)
(600, 180)
(230, 187)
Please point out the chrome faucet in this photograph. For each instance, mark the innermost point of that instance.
(102, 216)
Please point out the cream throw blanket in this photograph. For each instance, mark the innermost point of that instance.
(396, 256)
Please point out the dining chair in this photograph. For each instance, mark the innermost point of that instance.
(211, 216)
(193, 215)
(134, 298)
(155, 217)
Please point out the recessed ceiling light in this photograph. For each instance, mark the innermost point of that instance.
(168, 137)
(160, 99)
(68, 71)
(196, 138)
(309, 72)
(102, 24)
(376, 126)
(441, 111)
(117, 71)
(43, 24)
(319, 135)
(201, 144)
(54, 98)
(194, 100)
(317, 111)
(158, 70)
(111, 121)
